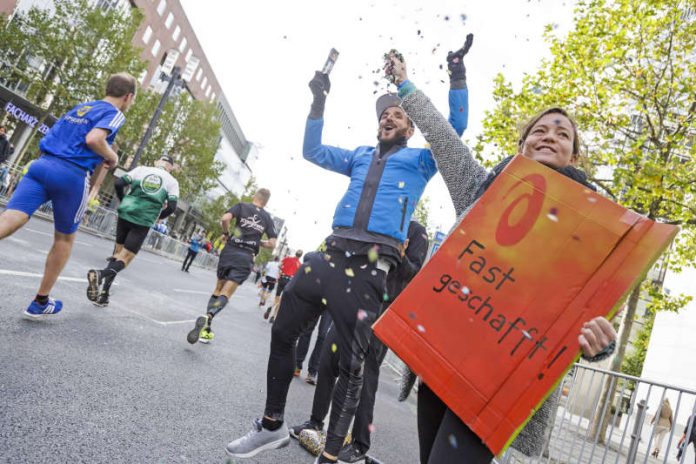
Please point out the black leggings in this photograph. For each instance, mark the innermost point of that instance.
(353, 297)
(190, 256)
(443, 437)
(328, 371)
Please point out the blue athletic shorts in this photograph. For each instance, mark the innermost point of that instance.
(64, 183)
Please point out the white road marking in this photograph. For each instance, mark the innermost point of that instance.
(80, 242)
(39, 276)
(18, 240)
(165, 323)
(40, 232)
(195, 292)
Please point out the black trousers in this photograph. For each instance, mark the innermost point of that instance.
(351, 289)
(443, 437)
(304, 341)
(328, 371)
(189, 257)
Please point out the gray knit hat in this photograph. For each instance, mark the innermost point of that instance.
(386, 101)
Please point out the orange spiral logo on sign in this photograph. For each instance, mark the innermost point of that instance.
(508, 234)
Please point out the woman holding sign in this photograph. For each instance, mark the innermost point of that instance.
(550, 138)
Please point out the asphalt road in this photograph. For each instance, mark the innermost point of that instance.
(122, 385)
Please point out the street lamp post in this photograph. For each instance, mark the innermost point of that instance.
(174, 79)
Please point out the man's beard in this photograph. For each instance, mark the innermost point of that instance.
(399, 138)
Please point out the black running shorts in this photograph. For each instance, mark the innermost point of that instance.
(282, 282)
(130, 235)
(269, 284)
(235, 265)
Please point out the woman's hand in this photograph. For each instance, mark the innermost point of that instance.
(595, 336)
(395, 67)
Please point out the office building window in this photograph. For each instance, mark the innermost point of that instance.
(204, 83)
(156, 47)
(182, 45)
(207, 92)
(199, 74)
(147, 35)
(188, 54)
(175, 34)
(168, 22)
(160, 8)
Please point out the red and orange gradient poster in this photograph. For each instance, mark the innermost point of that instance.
(491, 322)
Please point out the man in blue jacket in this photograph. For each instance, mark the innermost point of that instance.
(370, 225)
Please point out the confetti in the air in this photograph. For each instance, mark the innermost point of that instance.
(465, 290)
(402, 184)
(333, 347)
(362, 314)
(323, 301)
(374, 273)
(332, 265)
(348, 254)
(452, 440)
(349, 272)
(307, 270)
(420, 328)
(553, 214)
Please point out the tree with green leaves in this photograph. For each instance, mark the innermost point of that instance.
(65, 54)
(421, 215)
(188, 130)
(627, 73)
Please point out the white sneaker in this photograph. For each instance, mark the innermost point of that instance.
(257, 440)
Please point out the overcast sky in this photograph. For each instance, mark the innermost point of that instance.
(265, 52)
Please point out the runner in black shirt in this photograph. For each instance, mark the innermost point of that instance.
(237, 258)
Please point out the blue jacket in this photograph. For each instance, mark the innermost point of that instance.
(398, 187)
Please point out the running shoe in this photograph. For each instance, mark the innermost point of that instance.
(309, 425)
(206, 336)
(257, 440)
(94, 284)
(195, 334)
(311, 379)
(38, 311)
(268, 312)
(102, 300)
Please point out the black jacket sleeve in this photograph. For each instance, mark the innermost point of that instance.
(171, 207)
(415, 253)
(120, 187)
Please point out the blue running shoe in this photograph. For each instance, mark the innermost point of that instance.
(39, 311)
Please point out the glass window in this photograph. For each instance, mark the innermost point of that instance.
(156, 47)
(147, 34)
(182, 45)
(168, 22)
(204, 83)
(175, 34)
(188, 54)
(207, 92)
(160, 8)
(199, 74)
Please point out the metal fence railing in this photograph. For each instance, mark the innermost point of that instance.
(102, 221)
(628, 430)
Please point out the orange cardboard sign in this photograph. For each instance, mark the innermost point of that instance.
(491, 323)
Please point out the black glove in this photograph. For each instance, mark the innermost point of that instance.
(455, 64)
(320, 87)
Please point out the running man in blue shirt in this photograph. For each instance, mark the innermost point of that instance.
(76, 145)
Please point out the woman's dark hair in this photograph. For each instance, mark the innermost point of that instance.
(528, 127)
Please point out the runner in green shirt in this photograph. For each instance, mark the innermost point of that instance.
(150, 188)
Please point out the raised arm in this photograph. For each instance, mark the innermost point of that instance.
(328, 157)
(462, 173)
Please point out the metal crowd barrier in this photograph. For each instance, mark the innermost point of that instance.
(102, 221)
(630, 434)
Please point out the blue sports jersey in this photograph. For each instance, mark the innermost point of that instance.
(66, 139)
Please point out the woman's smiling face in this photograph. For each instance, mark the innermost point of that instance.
(550, 141)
